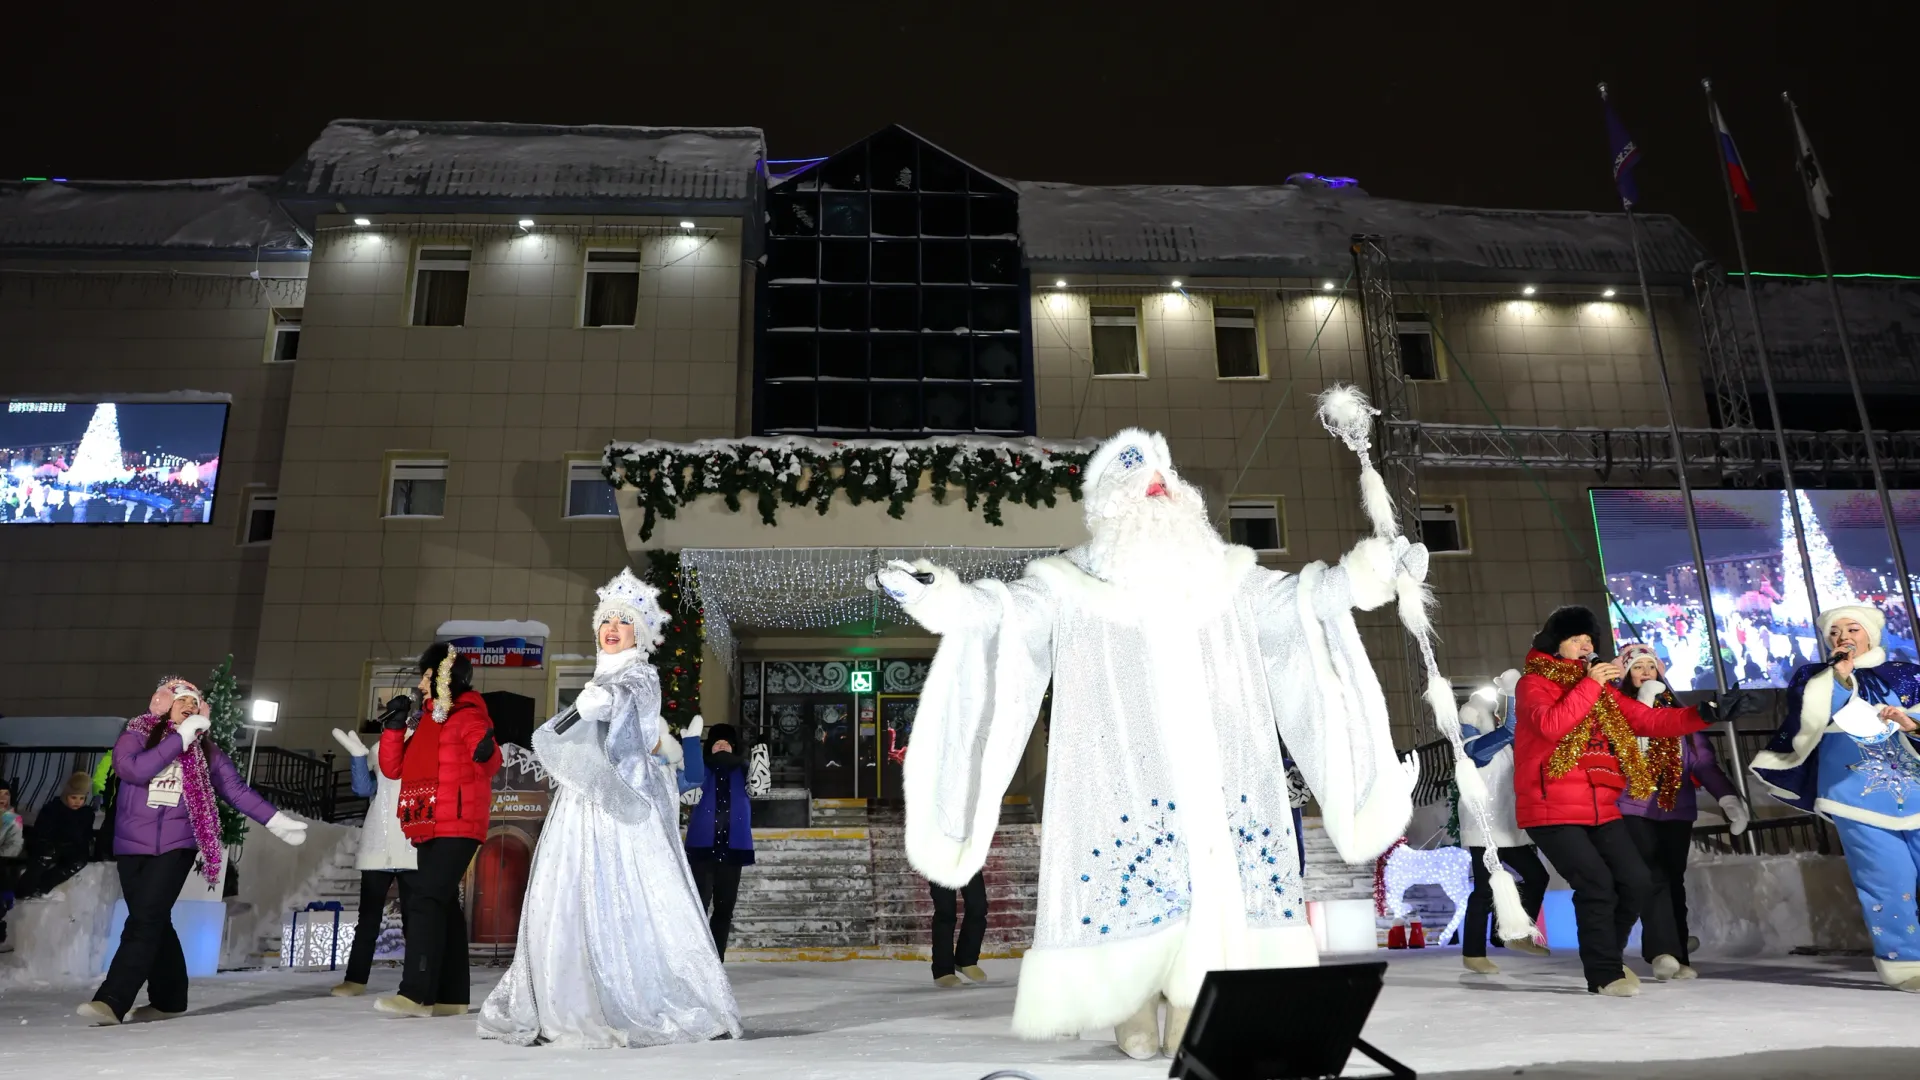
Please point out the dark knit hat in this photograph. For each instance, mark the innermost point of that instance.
(1565, 622)
(727, 733)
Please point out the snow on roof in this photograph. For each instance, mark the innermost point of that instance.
(1298, 231)
(475, 159)
(494, 628)
(1883, 326)
(224, 214)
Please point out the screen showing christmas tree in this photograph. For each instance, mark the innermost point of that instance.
(106, 462)
(1757, 581)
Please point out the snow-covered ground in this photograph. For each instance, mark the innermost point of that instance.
(873, 1019)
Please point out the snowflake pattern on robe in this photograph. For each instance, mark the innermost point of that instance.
(1269, 870)
(1138, 880)
(1889, 767)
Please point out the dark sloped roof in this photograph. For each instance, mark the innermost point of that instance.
(231, 214)
(389, 158)
(1296, 231)
(1883, 326)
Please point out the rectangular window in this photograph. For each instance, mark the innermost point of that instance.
(1418, 360)
(588, 493)
(1236, 342)
(258, 526)
(1257, 523)
(416, 487)
(440, 286)
(384, 681)
(611, 293)
(284, 347)
(1443, 527)
(567, 682)
(1116, 340)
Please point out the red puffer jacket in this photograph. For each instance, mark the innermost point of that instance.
(1589, 792)
(443, 791)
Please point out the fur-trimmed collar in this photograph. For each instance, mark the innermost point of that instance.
(1200, 599)
(606, 665)
(1816, 712)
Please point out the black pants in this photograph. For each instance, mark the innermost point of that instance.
(973, 930)
(1610, 887)
(149, 951)
(435, 972)
(1533, 888)
(719, 885)
(366, 933)
(1663, 846)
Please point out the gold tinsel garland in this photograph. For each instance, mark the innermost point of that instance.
(1664, 761)
(1606, 712)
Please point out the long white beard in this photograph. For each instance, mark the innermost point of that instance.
(1165, 547)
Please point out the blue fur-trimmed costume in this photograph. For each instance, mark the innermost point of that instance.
(1868, 787)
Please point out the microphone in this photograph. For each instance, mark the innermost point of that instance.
(567, 718)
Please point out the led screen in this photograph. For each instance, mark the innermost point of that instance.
(1759, 597)
(104, 462)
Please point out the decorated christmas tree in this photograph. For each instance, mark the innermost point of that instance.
(223, 708)
(1828, 575)
(98, 457)
(677, 658)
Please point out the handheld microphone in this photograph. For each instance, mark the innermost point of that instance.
(567, 718)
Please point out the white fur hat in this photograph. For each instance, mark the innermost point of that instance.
(1869, 617)
(629, 599)
(1133, 452)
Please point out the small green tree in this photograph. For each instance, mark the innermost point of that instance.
(677, 658)
(223, 708)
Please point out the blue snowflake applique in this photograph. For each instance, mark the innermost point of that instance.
(1142, 883)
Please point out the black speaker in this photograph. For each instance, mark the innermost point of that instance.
(1234, 1033)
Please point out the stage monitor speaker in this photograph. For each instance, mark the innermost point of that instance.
(1237, 1031)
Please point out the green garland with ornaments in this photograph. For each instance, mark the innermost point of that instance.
(798, 472)
(678, 657)
(228, 719)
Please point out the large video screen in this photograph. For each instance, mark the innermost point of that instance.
(105, 462)
(1759, 595)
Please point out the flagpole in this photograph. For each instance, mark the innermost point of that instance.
(1805, 151)
(1679, 449)
(1714, 119)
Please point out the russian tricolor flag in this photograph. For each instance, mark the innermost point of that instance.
(1736, 172)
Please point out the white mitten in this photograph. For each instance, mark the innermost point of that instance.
(350, 743)
(898, 582)
(290, 830)
(1371, 567)
(594, 701)
(693, 729)
(1651, 690)
(1736, 811)
(1413, 559)
(1508, 679)
(192, 727)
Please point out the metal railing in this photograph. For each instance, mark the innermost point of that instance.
(297, 782)
(1822, 455)
(41, 771)
(1801, 834)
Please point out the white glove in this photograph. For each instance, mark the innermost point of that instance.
(898, 581)
(350, 743)
(1736, 811)
(594, 701)
(191, 727)
(1508, 679)
(1370, 567)
(1650, 690)
(290, 830)
(1413, 559)
(692, 730)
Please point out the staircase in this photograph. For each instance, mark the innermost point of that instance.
(336, 879)
(903, 908)
(808, 889)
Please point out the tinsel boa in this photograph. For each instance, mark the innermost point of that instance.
(197, 778)
(1606, 713)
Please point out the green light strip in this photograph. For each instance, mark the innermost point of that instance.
(1819, 277)
(32, 179)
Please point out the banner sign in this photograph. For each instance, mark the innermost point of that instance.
(512, 652)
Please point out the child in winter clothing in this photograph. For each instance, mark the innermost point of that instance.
(1661, 822)
(385, 854)
(1574, 753)
(170, 774)
(1492, 712)
(444, 769)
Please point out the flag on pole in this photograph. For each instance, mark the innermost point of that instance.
(1625, 154)
(1810, 165)
(1730, 156)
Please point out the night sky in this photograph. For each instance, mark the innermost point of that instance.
(1488, 104)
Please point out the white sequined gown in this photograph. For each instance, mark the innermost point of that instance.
(614, 946)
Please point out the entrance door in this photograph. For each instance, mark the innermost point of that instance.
(896, 727)
(821, 728)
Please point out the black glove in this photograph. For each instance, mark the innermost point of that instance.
(1732, 704)
(394, 716)
(485, 750)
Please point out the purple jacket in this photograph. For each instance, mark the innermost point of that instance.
(139, 829)
(1697, 763)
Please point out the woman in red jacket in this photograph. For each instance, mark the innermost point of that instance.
(446, 797)
(1574, 753)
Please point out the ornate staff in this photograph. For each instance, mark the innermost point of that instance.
(1346, 414)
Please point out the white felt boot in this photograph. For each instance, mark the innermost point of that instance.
(1138, 1036)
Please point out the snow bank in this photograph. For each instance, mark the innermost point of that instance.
(1769, 905)
(61, 939)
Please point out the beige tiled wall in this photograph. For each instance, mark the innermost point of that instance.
(93, 615)
(505, 397)
(1561, 360)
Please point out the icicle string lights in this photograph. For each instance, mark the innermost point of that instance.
(797, 472)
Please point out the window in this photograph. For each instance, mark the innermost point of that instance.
(416, 487)
(1443, 527)
(257, 527)
(1257, 523)
(1418, 360)
(440, 286)
(611, 294)
(283, 346)
(1116, 340)
(588, 493)
(568, 679)
(1236, 342)
(382, 681)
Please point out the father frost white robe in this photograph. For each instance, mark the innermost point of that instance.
(1168, 846)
